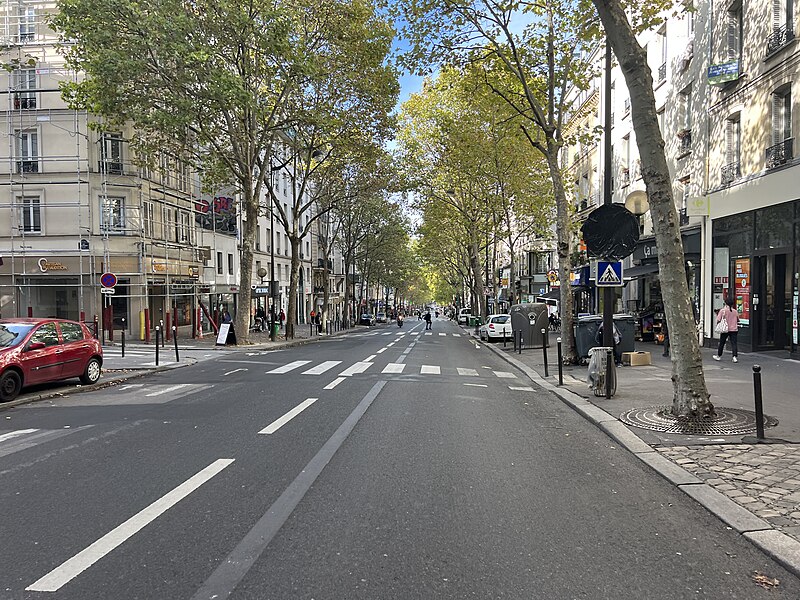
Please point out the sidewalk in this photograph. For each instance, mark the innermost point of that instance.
(754, 488)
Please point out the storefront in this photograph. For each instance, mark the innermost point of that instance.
(756, 260)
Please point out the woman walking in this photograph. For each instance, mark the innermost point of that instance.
(730, 329)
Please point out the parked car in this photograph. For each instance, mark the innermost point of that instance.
(367, 319)
(496, 327)
(463, 316)
(381, 318)
(43, 350)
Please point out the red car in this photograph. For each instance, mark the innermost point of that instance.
(42, 350)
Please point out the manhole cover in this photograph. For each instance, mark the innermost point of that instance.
(729, 421)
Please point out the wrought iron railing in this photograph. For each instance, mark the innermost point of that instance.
(780, 154)
(685, 137)
(625, 177)
(779, 38)
(731, 172)
(27, 166)
(24, 102)
(662, 72)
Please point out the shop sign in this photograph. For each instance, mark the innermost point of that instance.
(699, 206)
(46, 265)
(741, 288)
(159, 266)
(193, 271)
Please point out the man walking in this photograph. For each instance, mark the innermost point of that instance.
(428, 320)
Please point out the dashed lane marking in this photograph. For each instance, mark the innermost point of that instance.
(334, 383)
(280, 422)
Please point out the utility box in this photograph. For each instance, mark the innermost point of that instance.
(530, 319)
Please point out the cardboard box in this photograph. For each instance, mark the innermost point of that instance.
(636, 359)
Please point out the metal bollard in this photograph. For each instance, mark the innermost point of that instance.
(504, 337)
(544, 352)
(123, 337)
(759, 404)
(560, 363)
(158, 330)
(163, 343)
(514, 339)
(175, 339)
(609, 359)
(520, 343)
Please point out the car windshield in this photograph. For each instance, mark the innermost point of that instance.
(500, 319)
(12, 334)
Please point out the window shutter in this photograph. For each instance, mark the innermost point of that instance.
(787, 115)
(733, 35)
(777, 14)
(729, 142)
(777, 118)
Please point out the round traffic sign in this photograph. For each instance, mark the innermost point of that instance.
(108, 280)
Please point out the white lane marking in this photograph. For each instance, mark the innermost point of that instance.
(467, 372)
(171, 388)
(390, 345)
(334, 383)
(388, 333)
(442, 334)
(84, 559)
(406, 351)
(370, 357)
(394, 368)
(129, 386)
(322, 367)
(278, 423)
(13, 434)
(382, 350)
(234, 371)
(290, 367)
(426, 333)
(477, 384)
(456, 334)
(505, 374)
(430, 370)
(400, 333)
(520, 388)
(356, 368)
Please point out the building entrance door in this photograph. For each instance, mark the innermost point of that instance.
(771, 302)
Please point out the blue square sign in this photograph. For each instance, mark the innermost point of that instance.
(609, 273)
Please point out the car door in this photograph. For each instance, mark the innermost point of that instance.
(43, 363)
(77, 350)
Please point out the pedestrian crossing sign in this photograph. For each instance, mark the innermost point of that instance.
(609, 273)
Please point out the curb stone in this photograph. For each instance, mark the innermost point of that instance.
(784, 549)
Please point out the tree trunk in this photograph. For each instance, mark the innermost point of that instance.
(478, 290)
(291, 315)
(241, 323)
(563, 234)
(347, 288)
(690, 395)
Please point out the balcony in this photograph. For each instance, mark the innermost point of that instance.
(731, 172)
(685, 138)
(110, 167)
(27, 166)
(24, 102)
(780, 154)
(779, 38)
(662, 73)
(625, 177)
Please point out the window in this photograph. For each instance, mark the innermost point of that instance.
(308, 249)
(230, 264)
(27, 23)
(220, 267)
(662, 42)
(148, 220)
(258, 237)
(112, 214)
(733, 147)
(685, 99)
(25, 86)
(734, 42)
(184, 227)
(27, 151)
(111, 153)
(626, 161)
(31, 214)
(685, 185)
(286, 245)
(170, 226)
(781, 151)
(782, 31)
(71, 332)
(660, 114)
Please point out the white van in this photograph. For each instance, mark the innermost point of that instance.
(463, 316)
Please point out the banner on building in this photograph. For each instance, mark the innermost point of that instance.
(216, 214)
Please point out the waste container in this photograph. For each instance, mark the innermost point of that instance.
(626, 324)
(530, 319)
(585, 332)
(598, 362)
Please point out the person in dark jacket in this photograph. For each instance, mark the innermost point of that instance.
(428, 321)
(617, 337)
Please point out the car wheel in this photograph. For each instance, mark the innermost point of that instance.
(92, 372)
(10, 385)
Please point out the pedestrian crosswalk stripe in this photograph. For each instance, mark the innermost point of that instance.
(430, 370)
(356, 368)
(520, 388)
(388, 333)
(290, 367)
(394, 368)
(456, 335)
(322, 367)
(467, 372)
(426, 333)
(334, 383)
(505, 374)
(17, 433)
(442, 334)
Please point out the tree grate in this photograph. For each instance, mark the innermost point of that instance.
(728, 421)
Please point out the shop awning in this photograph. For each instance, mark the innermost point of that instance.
(551, 295)
(639, 271)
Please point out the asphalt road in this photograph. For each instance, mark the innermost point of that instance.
(384, 464)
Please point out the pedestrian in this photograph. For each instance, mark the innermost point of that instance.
(665, 331)
(428, 320)
(226, 317)
(728, 328)
(282, 318)
(617, 338)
